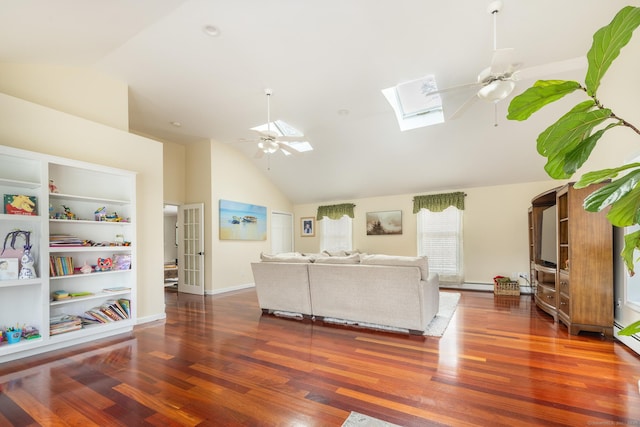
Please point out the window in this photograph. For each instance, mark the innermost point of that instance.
(440, 239)
(335, 234)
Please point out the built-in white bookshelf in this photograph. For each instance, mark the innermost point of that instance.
(95, 207)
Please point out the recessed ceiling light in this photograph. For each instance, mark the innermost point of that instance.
(211, 30)
(176, 124)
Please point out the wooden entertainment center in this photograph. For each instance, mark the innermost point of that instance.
(577, 288)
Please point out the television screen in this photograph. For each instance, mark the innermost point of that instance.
(548, 243)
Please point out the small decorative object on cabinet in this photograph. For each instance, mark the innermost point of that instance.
(562, 235)
(54, 296)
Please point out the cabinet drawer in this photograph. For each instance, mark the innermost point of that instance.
(563, 284)
(564, 305)
(546, 295)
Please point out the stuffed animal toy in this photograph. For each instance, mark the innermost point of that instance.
(104, 264)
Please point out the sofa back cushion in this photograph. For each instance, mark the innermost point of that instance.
(284, 257)
(349, 259)
(405, 261)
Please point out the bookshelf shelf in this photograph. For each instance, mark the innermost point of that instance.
(98, 295)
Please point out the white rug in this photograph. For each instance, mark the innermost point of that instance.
(436, 328)
(359, 420)
(448, 305)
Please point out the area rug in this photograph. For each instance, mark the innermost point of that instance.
(448, 305)
(360, 420)
(436, 328)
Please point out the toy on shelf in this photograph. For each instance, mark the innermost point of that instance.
(101, 214)
(104, 264)
(27, 270)
(67, 213)
(52, 187)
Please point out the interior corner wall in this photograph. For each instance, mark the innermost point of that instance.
(234, 177)
(34, 127)
(78, 91)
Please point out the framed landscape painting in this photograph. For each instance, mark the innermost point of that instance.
(384, 223)
(242, 221)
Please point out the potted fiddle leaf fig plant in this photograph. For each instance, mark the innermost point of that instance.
(568, 143)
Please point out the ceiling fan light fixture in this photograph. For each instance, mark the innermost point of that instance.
(497, 90)
(269, 148)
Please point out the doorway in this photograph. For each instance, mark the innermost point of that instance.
(281, 232)
(170, 232)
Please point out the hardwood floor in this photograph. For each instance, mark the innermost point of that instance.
(217, 361)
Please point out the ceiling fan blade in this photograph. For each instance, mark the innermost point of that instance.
(468, 103)
(551, 68)
(452, 88)
(266, 134)
(502, 61)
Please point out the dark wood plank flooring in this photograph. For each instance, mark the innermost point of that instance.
(218, 361)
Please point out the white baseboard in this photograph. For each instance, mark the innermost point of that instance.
(230, 289)
(149, 319)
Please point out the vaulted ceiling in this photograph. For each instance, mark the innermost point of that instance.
(326, 62)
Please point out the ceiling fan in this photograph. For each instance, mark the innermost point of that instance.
(498, 81)
(270, 141)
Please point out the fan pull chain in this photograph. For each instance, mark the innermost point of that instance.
(495, 114)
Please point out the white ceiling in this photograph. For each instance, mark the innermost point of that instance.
(318, 57)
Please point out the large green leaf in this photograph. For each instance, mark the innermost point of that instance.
(607, 42)
(631, 242)
(611, 192)
(575, 158)
(542, 92)
(602, 175)
(632, 329)
(624, 212)
(555, 136)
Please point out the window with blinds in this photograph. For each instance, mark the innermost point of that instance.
(440, 239)
(335, 234)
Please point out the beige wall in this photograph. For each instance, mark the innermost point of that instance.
(495, 228)
(175, 176)
(37, 128)
(198, 182)
(78, 91)
(236, 178)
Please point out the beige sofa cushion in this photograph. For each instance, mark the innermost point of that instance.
(288, 257)
(350, 259)
(393, 260)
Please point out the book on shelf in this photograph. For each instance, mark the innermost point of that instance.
(110, 311)
(117, 289)
(60, 265)
(64, 323)
(64, 240)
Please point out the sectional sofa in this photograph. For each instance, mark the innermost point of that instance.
(379, 291)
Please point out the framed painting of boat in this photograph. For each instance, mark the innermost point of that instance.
(384, 223)
(242, 221)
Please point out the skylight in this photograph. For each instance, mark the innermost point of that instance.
(413, 106)
(282, 128)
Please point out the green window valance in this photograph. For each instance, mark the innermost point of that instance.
(438, 202)
(335, 211)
